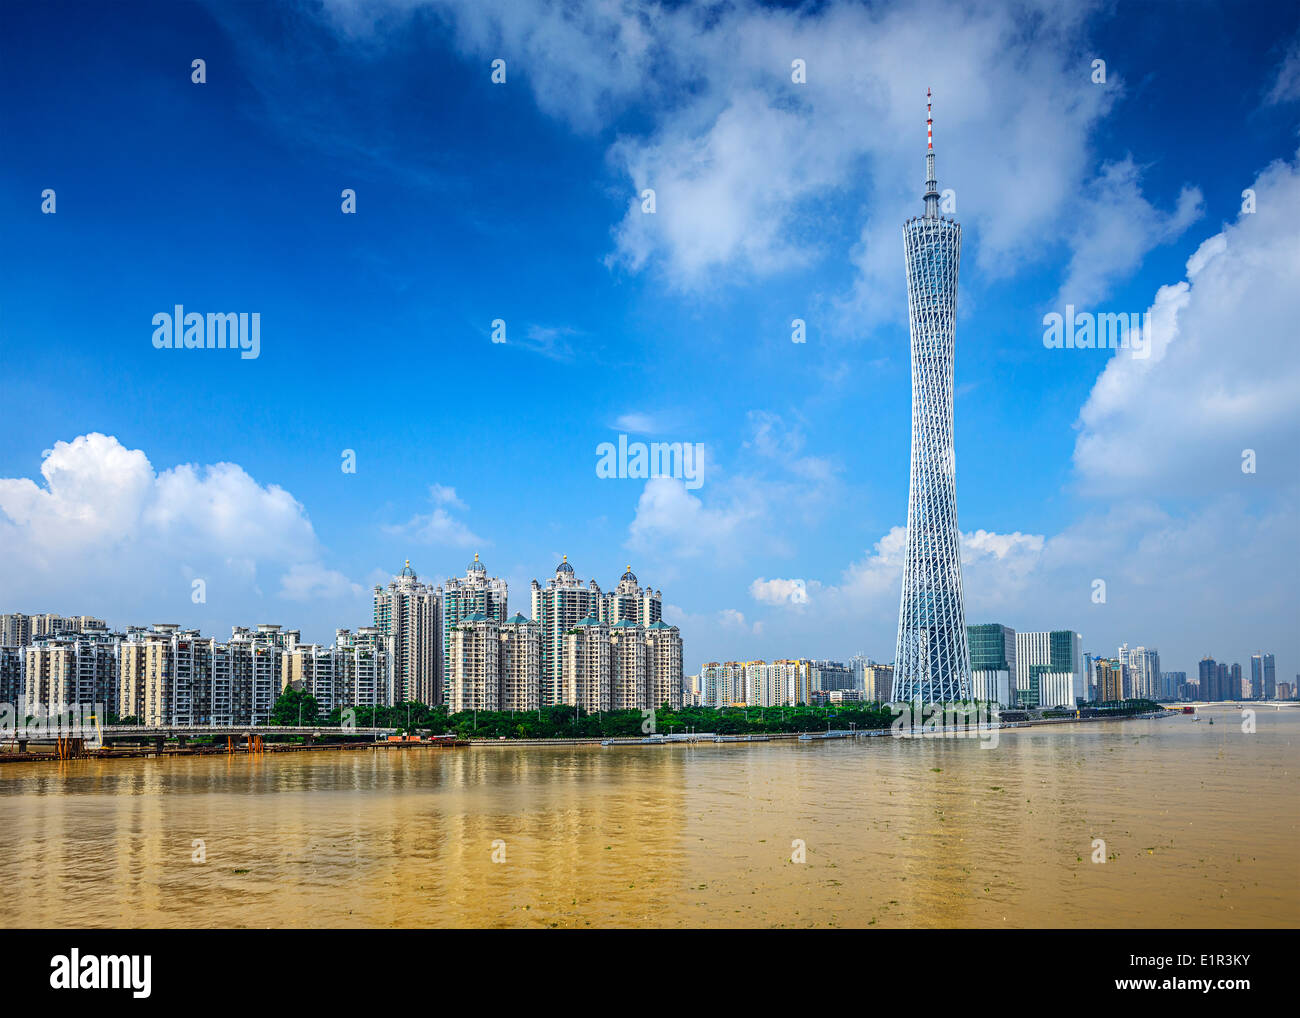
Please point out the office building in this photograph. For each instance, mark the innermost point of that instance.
(992, 662)
(1052, 653)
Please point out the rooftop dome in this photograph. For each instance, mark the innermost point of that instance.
(407, 570)
(476, 566)
(564, 567)
(629, 575)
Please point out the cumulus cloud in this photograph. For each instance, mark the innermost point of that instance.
(1224, 372)
(779, 592)
(439, 527)
(671, 520)
(1115, 228)
(1286, 83)
(103, 519)
(745, 161)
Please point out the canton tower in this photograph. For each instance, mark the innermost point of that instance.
(932, 660)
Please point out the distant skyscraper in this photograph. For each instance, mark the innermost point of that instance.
(1263, 677)
(831, 675)
(1109, 680)
(1223, 682)
(409, 614)
(1144, 672)
(932, 661)
(879, 683)
(1174, 685)
(1208, 675)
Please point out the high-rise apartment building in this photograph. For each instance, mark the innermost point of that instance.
(628, 671)
(1110, 680)
(474, 661)
(12, 663)
(62, 673)
(585, 671)
(621, 667)
(558, 608)
(15, 631)
(471, 594)
(173, 676)
(409, 615)
(664, 658)
(521, 664)
(879, 683)
(932, 660)
(353, 672)
(628, 601)
(1144, 673)
(830, 675)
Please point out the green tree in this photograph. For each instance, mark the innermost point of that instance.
(295, 706)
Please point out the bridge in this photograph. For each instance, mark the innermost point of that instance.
(72, 741)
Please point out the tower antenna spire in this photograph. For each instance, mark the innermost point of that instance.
(931, 185)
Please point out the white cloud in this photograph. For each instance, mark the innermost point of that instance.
(310, 581)
(103, 520)
(441, 494)
(1115, 228)
(1224, 370)
(638, 423)
(744, 161)
(780, 592)
(1286, 85)
(671, 520)
(439, 527)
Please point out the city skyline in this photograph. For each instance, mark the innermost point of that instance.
(522, 202)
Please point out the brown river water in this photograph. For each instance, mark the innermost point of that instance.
(1199, 823)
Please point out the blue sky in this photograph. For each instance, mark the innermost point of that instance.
(775, 200)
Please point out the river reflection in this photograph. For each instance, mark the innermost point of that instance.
(1199, 821)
